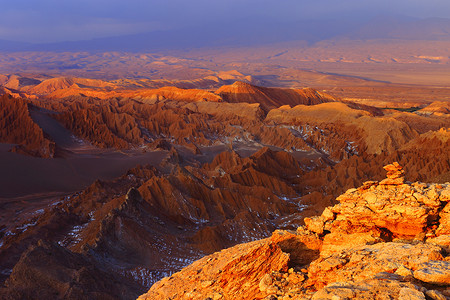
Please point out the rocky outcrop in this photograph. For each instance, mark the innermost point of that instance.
(125, 123)
(17, 127)
(383, 239)
(103, 127)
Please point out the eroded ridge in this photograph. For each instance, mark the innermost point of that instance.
(387, 239)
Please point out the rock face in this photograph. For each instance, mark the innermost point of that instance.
(17, 127)
(384, 240)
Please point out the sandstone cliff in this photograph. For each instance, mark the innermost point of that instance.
(383, 240)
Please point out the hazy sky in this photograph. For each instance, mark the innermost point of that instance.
(62, 20)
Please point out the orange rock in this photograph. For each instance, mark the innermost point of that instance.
(234, 273)
(346, 252)
(435, 272)
(17, 127)
(394, 175)
(392, 181)
(271, 97)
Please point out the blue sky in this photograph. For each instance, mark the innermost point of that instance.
(62, 20)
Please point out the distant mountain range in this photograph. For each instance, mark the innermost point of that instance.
(248, 33)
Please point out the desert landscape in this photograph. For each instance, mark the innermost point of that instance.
(241, 166)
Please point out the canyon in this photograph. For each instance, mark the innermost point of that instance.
(111, 184)
(221, 150)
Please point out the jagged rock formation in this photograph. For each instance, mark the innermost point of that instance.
(230, 173)
(384, 239)
(124, 123)
(333, 130)
(17, 127)
(148, 224)
(129, 115)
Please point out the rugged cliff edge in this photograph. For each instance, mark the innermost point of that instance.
(384, 240)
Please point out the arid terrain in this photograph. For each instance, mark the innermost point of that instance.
(120, 168)
(383, 239)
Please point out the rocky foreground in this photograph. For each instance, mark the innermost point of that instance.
(384, 240)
